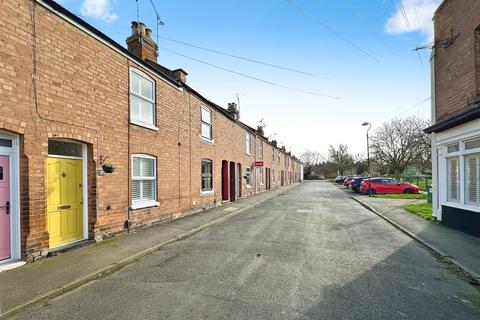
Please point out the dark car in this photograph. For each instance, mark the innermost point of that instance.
(355, 183)
(339, 179)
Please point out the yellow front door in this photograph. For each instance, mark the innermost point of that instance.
(64, 200)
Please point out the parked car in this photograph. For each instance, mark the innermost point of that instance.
(347, 180)
(355, 183)
(339, 179)
(387, 185)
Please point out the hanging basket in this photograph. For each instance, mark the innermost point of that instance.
(108, 168)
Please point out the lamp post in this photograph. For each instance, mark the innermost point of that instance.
(368, 154)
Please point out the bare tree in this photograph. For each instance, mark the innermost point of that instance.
(359, 157)
(401, 143)
(340, 156)
(311, 157)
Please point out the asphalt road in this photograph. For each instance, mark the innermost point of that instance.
(310, 253)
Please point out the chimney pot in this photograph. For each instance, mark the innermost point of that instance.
(233, 110)
(142, 29)
(134, 28)
(148, 32)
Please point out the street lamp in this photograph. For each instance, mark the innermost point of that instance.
(368, 154)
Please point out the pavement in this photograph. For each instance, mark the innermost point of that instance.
(50, 277)
(461, 248)
(308, 253)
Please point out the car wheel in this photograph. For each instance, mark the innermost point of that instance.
(407, 191)
(373, 191)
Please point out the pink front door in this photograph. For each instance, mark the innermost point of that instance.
(4, 207)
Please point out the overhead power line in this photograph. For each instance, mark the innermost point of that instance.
(403, 111)
(239, 57)
(365, 22)
(110, 26)
(251, 77)
(416, 11)
(331, 30)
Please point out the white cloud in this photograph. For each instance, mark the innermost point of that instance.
(99, 9)
(419, 14)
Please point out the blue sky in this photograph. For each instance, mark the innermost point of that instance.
(359, 51)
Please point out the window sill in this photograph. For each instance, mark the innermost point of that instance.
(145, 125)
(248, 187)
(461, 206)
(206, 140)
(207, 193)
(144, 204)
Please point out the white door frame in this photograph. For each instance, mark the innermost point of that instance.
(237, 181)
(14, 154)
(84, 159)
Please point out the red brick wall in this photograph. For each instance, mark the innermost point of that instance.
(82, 94)
(456, 82)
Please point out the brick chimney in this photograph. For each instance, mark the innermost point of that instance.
(140, 43)
(180, 74)
(233, 110)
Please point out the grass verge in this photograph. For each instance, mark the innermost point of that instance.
(423, 210)
(402, 196)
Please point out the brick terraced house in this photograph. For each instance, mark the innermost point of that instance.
(96, 139)
(455, 131)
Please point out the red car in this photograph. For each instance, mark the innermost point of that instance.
(347, 181)
(387, 185)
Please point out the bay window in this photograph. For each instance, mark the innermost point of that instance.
(463, 172)
(472, 179)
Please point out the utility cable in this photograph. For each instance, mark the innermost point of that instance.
(239, 57)
(365, 22)
(251, 77)
(331, 30)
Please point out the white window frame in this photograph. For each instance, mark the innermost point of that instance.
(260, 173)
(461, 155)
(273, 155)
(207, 139)
(151, 126)
(137, 204)
(477, 176)
(248, 174)
(248, 144)
(260, 149)
(206, 191)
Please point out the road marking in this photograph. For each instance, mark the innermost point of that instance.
(304, 211)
